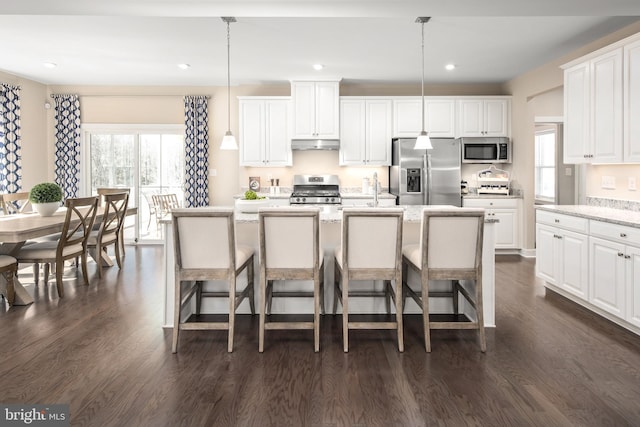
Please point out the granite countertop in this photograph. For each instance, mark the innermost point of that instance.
(491, 196)
(615, 216)
(344, 195)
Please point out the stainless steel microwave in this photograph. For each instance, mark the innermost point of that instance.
(486, 150)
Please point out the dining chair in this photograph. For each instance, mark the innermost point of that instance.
(290, 250)
(370, 249)
(9, 269)
(205, 249)
(102, 192)
(110, 228)
(13, 203)
(79, 219)
(450, 248)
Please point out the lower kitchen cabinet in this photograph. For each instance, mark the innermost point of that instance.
(607, 275)
(562, 259)
(633, 285)
(507, 212)
(595, 263)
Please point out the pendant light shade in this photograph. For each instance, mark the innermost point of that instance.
(229, 141)
(423, 142)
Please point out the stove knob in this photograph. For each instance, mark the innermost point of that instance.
(327, 200)
(304, 199)
(298, 199)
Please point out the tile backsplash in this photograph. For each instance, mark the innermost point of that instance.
(614, 203)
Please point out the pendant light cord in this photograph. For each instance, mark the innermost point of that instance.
(422, 24)
(229, 79)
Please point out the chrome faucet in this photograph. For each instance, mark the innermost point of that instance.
(375, 189)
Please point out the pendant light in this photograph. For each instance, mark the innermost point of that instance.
(423, 142)
(229, 141)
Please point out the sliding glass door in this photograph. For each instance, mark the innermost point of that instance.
(148, 160)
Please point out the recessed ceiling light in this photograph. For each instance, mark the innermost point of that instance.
(318, 67)
(450, 67)
(184, 66)
(50, 64)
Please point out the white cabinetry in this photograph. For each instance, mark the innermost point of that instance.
(602, 101)
(632, 102)
(315, 109)
(264, 131)
(593, 110)
(562, 252)
(439, 117)
(481, 117)
(507, 212)
(365, 129)
(614, 261)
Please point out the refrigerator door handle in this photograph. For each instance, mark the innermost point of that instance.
(427, 168)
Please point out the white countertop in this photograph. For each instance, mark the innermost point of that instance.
(345, 195)
(615, 216)
(491, 196)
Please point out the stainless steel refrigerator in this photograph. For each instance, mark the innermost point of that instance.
(425, 177)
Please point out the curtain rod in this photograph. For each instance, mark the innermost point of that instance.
(135, 96)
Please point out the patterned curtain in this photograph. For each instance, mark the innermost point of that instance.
(10, 149)
(196, 151)
(67, 133)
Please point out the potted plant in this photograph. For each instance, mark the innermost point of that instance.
(45, 198)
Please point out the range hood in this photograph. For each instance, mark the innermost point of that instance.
(315, 144)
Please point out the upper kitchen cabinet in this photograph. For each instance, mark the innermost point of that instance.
(365, 131)
(265, 124)
(316, 109)
(602, 101)
(593, 110)
(484, 117)
(439, 122)
(632, 102)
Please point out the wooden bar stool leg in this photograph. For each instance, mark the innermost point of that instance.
(263, 306)
(398, 301)
(480, 315)
(250, 278)
(454, 289)
(425, 312)
(345, 313)
(316, 314)
(232, 310)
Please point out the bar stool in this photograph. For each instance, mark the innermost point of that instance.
(290, 250)
(450, 248)
(205, 249)
(371, 249)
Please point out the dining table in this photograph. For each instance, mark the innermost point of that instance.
(17, 229)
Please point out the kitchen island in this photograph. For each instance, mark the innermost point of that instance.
(330, 228)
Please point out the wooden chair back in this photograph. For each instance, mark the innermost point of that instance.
(372, 243)
(115, 208)
(103, 191)
(13, 203)
(204, 243)
(452, 243)
(79, 220)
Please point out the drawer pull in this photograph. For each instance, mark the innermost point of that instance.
(620, 254)
(623, 234)
(557, 237)
(627, 256)
(557, 220)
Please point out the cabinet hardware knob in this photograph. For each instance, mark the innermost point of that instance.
(623, 234)
(620, 254)
(557, 220)
(627, 256)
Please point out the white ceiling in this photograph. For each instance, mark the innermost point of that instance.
(140, 42)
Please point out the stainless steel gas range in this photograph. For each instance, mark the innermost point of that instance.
(315, 190)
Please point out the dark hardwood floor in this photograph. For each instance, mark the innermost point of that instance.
(102, 350)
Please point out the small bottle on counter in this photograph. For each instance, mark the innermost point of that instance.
(272, 189)
(277, 186)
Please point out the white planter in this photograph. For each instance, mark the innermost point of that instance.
(251, 206)
(46, 209)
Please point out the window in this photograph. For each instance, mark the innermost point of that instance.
(147, 159)
(545, 165)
